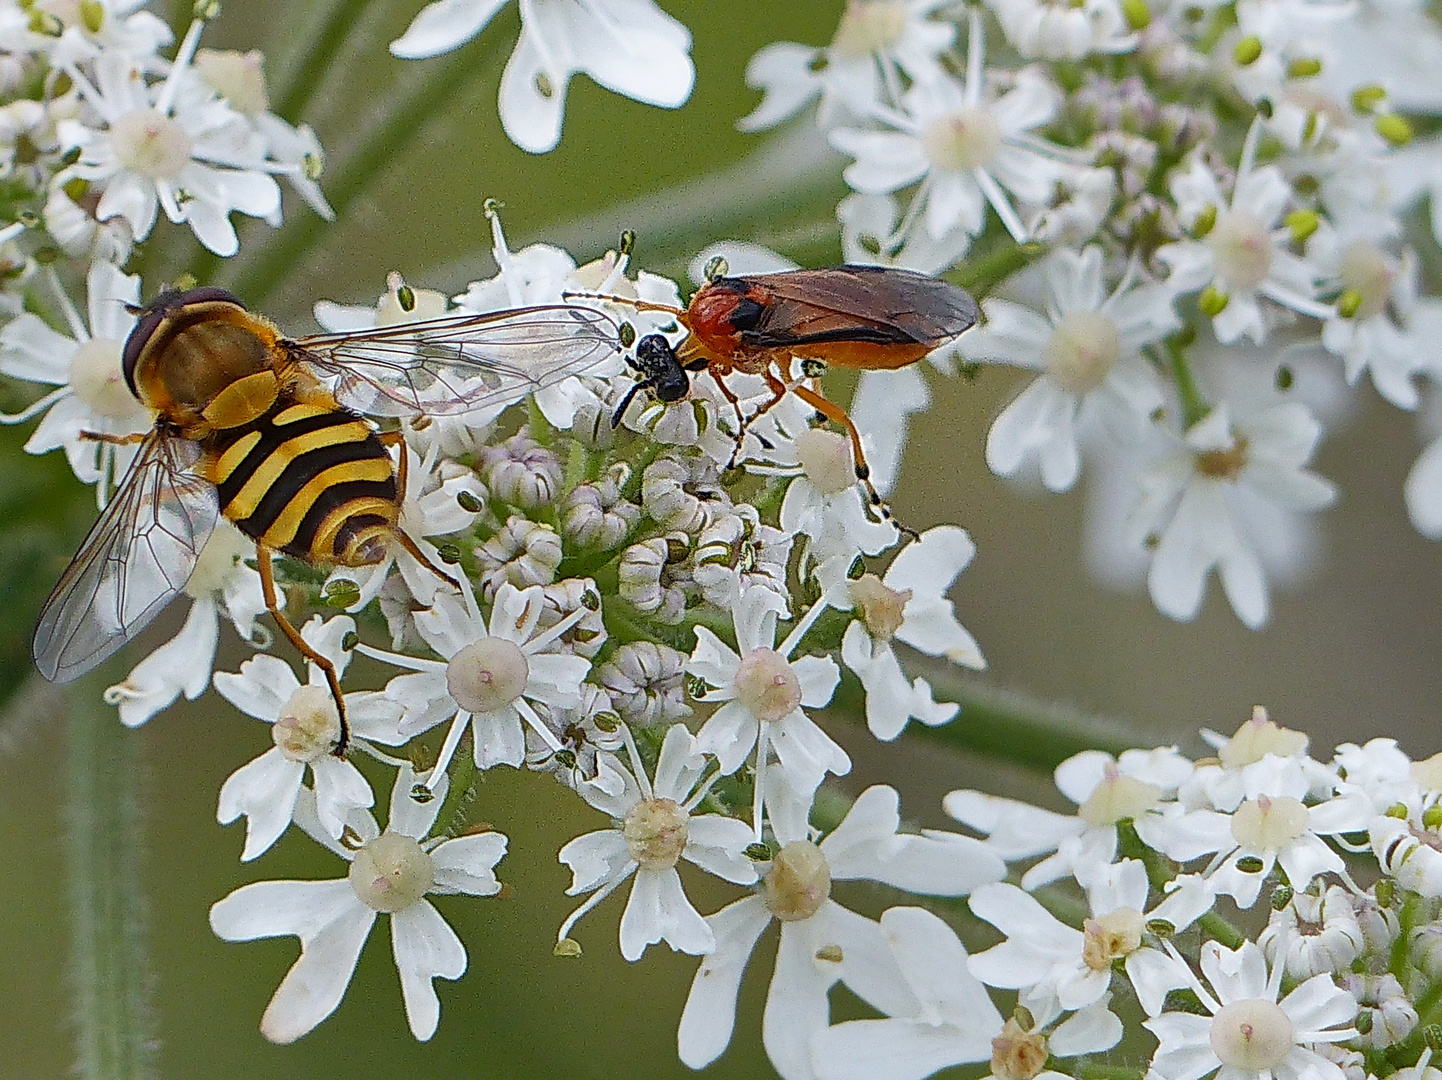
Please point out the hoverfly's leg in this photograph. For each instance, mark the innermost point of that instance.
(835, 412)
(267, 589)
(395, 438)
(114, 440)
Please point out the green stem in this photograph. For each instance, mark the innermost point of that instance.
(1194, 406)
(310, 71)
(114, 1017)
(1109, 1072)
(262, 279)
(1406, 920)
(1220, 930)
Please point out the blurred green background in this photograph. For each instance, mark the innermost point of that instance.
(1349, 654)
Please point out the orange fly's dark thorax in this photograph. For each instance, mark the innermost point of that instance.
(310, 481)
(189, 346)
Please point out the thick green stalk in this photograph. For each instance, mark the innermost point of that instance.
(112, 984)
(310, 71)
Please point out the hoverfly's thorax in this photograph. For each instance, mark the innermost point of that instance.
(200, 355)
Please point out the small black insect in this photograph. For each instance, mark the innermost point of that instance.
(661, 374)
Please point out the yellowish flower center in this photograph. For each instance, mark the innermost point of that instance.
(798, 883)
(309, 725)
(655, 832)
(964, 140)
(1083, 349)
(766, 685)
(151, 143)
(882, 610)
(1242, 249)
(1253, 1036)
(392, 872)
(487, 675)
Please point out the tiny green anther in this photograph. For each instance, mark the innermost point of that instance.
(92, 15)
(567, 949)
(1349, 303)
(421, 794)
(1363, 1023)
(312, 165)
(759, 852)
(1397, 810)
(544, 86)
(492, 207)
(716, 267)
(341, 593)
(406, 298)
(566, 759)
(48, 256)
(627, 334)
(349, 641)
(1286, 377)
(1206, 222)
(697, 687)
(676, 550)
(42, 22)
(591, 600)
(1264, 108)
(608, 722)
(1304, 67)
(1212, 302)
(449, 554)
(1161, 928)
(1250, 864)
(1366, 99)
(1137, 14)
(29, 218)
(1247, 50)
(628, 242)
(1281, 897)
(1432, 817)
(1394, 129)
(206, 10)
(1309, 128)
(1302, 224)
(817, 63)
(468, 502)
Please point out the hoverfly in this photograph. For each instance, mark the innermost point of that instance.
(268, 431)
(870, 317)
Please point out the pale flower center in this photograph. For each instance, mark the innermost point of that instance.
(1106, 938)
(798, 883)
(766, 685)
(98, 380)
(826, 458)
(1118, 798)
(961, 141)
(1257, 738)
(1242, 249)
(309, 725)
(655, 832)
(1083, 349)
(1365, 271)
(1252, 1036)
(1017, 1054)
(151, 143)
(239, 77)
(392, 872)
(869, 26)
(882, 609)
(487, 675)
(1270, 824)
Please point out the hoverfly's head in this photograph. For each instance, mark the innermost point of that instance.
(172, 309)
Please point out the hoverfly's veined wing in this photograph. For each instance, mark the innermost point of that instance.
(460, 363)
(133, 562)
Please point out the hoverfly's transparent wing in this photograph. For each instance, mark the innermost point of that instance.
(133, 562)
(459, 363)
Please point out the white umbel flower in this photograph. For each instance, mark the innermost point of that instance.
(392, 872)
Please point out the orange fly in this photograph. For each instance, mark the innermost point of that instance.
(866, 317)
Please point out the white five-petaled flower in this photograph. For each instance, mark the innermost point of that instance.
(1059, 968)
(656, 828)
(487, 675)
(1242, 256)
(1218, 498)
(1247, 1033)
(1087, 348)
(1045, 30)
(391, 871)
(1107, 791)
(821, 941)
(965, 151)
(91, 393)
(631, 47)
(876, 43)
(764, 691)
(305, 728)
(161, 148)
(908, 604)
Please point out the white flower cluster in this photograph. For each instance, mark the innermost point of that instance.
(1192, 178)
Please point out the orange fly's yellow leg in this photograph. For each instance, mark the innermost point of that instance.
(267, 588)
(835, 412)
(115, 440)
(395, 438)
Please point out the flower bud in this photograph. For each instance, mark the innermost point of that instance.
(646, 683)
(524, 553)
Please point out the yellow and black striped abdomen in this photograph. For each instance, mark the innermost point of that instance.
(310, 481)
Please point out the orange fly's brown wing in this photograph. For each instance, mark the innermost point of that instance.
(873, 304)
(459, 363)
(136, 558)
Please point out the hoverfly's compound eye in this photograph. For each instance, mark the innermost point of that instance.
(153, 314)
